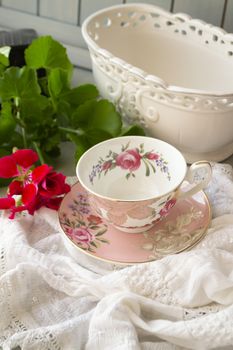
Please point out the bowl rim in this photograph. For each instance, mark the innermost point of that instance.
(143, 74)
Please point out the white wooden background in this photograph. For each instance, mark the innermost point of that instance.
(62, 18)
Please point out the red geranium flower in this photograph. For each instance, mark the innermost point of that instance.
(31, 187)
(53, 184)
(18, 163)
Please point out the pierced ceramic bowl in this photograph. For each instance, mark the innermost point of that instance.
(168, 72)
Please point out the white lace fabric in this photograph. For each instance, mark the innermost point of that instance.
(48, 300)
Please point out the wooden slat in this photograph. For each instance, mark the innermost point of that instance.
(61, 10)
(209, 11)
(90, 6)
(69, 35)
(78, 56)
(165, 4)
(29, 6)
(228, 23)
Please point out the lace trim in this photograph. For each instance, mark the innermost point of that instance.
(37, 339)
(214, 325)
(194, 313)
(2, 261)
(151, 282)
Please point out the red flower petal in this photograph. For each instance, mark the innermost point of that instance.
(53, 203)
(29, 194)
(36, 204)
(39, 173)
(53, 185)
(67, 188)
(7, 203)
(15, 210)
(25, 157)
(8, 167)
(15, 187)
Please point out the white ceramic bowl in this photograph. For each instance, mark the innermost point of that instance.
(170, 73)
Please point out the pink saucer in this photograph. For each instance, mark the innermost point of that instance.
(185, 226)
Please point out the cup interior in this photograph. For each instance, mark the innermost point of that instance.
(131, 168)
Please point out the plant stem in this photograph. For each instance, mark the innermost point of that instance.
(19, 119)
(73, 131)
(24, 137)
(37, 148)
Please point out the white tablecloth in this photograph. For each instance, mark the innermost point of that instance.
(50, 301)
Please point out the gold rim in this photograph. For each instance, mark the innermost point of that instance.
(139, 262)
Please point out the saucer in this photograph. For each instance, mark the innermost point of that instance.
(185, 225)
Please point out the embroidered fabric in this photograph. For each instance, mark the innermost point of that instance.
(48, 300)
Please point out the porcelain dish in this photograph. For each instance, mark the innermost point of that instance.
(168, 72)
(134, 181)
(84, 232)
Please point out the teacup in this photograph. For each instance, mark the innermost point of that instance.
(133, 181)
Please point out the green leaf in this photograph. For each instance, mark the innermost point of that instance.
(4, 60)
(19, 82)
(94, 244)
(64, 108)
(80, 116)
(132, 130)
(79, 151)
(80, 94)
(33, 109)
(152, 166)
(103, 240)
(16, 140)
(39, 105)
(81, 143)
(4, 152)
(98, 115)
(101, 231)
(45, 52)
(43, 83)
(106, 118)
(58, 82)
(147, 167)
(7, 122)
(62, 117)
(4, 63)
(5, 182)
(95, 136)
(51, 143)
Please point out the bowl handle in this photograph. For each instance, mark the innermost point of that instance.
(200, 174)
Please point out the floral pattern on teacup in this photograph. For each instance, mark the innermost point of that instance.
(130, 160)
(118, 212)
(82, 227)
(124, 214)
(174, 233)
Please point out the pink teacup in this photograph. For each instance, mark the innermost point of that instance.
(133, 181)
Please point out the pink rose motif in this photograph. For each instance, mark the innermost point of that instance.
(152, 156)
(107, 165)
(165, 210)
(81, 235)
(130, 160)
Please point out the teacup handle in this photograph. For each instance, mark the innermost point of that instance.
(200, 174)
